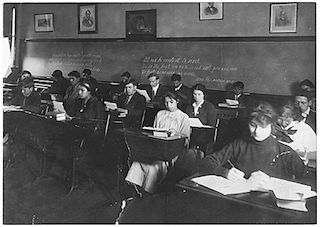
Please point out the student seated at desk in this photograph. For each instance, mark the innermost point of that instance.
(258, 157)
(60, 84)
(89, 107)
(72, 92)
(304, 139)
(155, 91)
(207, 114)
(149, 175)
(131, 105)
(183, 91)
(17, 89)
(238, 94)
(27, 98)
(303, 101)
(308, 86)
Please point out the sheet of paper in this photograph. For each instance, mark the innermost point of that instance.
(12, 108)
(292, 205)
(222, 185)
(144, 93)
(111, 105)
(58, 107)
(155, 129)
(232, 102)
(196, 123)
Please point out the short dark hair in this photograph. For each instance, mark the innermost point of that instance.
(57, 73)
(153, 75)
(26, 72)
(75, 74)
(175, 77)
(238, 84)
(126, 74)
(171, 95)
(264, 114)
(133, 81)
(307, 83)
(304, 93)
(27, 82)
(200, 87)
(87, 71)
(294, 111)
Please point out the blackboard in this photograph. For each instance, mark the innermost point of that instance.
(265, 67)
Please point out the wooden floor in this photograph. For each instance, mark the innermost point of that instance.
(95, 200)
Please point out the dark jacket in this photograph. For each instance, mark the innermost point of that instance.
(59, 86)
(311, 120)
(185, 97)
(31, 103)
(208, 116)
(243, 100)
(135, 107)
(158, 99)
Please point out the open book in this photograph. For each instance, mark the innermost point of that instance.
(196, 123)
(157, 132)
(289, 195)
(111, 105)
(144, 93)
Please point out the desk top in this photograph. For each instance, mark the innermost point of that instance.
(261, 200)
(189, 205)
(144, 147)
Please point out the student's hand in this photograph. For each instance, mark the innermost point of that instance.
(235, 175)
(259, 179)
(173, 132)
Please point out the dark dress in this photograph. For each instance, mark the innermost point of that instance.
(91, 115)
(207, 115)
(268, 156)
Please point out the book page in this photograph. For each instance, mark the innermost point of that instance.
(111, 105)
(144, 93)
(58, 107)
(155, 129)
(196, 123)
(222, 185)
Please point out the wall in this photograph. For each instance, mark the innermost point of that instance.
(173, 20)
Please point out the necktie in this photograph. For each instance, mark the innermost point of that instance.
(127, 100)
(153, 94)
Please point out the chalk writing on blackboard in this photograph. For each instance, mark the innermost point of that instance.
(183, 66)
(87, 60)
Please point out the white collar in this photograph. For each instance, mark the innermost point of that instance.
(200, 104)
(178, 88)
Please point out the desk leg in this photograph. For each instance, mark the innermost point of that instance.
(74, 168)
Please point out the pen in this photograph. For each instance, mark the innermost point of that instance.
(231, 163)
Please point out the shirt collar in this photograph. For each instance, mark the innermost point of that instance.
(178, 88)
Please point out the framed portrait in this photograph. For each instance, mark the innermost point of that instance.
(141, 24)
(211, 10)
(87, 18)
(43, 22)
(283, 18)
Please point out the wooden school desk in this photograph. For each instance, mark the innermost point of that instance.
(195, 204)
(42, 132)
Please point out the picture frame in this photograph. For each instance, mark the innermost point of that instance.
(211, 10)
(87, 18)
(283, 18)
(141, 25)
(43, 22)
